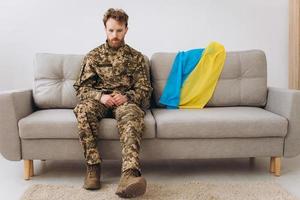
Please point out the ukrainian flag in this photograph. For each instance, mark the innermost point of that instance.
(198, 86)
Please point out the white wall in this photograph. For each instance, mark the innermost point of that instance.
(75, 26)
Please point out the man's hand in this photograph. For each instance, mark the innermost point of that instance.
(119, 99)
(113, 100)
(107, 100)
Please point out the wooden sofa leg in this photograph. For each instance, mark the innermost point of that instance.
(275, 165)
(28, 169)
(31, 168)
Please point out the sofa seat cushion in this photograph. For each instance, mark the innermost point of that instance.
(219, 122)
(62, 123)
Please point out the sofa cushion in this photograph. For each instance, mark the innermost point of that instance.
(212, 122)
(62, 123)
(243, 81)
(54, 76)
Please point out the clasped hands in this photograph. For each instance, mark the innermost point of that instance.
(114, 99)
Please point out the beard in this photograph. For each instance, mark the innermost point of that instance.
(115, 43)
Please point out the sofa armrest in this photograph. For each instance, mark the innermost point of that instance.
(14, 105)
(286, 102)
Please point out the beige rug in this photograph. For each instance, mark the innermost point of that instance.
(155, 191)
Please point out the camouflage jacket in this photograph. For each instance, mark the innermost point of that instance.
(106, 70)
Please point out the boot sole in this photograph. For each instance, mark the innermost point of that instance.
(94, 187)
(134, 190)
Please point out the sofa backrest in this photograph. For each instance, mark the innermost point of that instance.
(54, 76)
(243, 81)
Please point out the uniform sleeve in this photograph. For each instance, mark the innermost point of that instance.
(84, 86)
(141, 92)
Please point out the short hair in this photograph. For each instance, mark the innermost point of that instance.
(117, 14)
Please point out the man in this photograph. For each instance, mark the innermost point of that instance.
(113, 79)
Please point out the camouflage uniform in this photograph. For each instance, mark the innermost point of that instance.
(106, 70)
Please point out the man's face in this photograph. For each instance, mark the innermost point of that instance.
(115, 32)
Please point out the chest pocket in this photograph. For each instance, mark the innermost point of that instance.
(122, 67)
(104, 70)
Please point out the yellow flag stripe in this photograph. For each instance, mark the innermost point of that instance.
(198, 88)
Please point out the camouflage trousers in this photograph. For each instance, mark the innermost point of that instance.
(130, 123)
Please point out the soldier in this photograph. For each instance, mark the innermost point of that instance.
(113, 79)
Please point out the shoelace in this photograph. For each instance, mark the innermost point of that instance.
(92, 170)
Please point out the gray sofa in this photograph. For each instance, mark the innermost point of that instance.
(244, 118)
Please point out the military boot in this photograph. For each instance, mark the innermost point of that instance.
(131, 184)
(92, 177)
